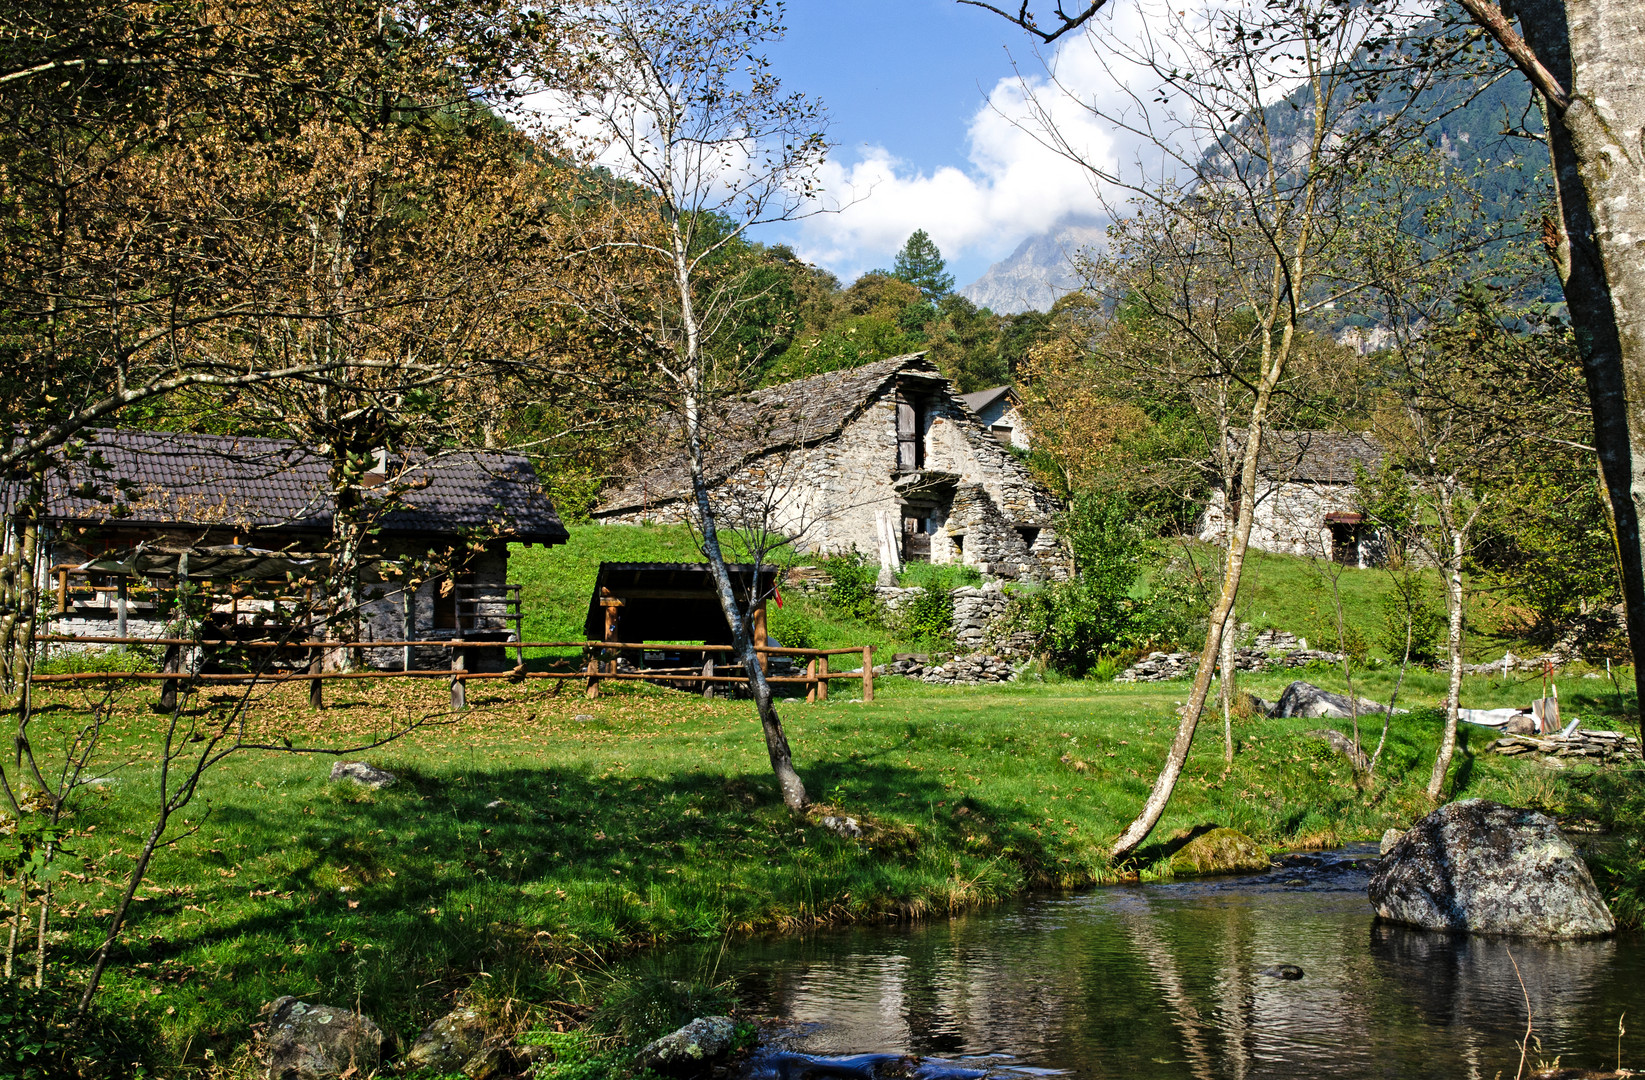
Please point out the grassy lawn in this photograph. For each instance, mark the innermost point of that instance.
(1295, 594)
(539, 835)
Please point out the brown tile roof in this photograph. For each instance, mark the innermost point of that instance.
(799, 413)
(1312, 457)
(152, 478)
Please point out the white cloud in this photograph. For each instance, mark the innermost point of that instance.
(1014, 185)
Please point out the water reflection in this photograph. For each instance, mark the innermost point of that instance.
(1164, 981)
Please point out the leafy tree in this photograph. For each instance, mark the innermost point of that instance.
(677, 93)
(1583, 58)
(1097, 612)
(920, 264)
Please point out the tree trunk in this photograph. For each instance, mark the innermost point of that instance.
(1453, 694)
(1227, 688)
(776, 740)
(1596, 50)
(1177, 756)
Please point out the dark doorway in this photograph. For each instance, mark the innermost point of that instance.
(916, 534)
(1346, 532)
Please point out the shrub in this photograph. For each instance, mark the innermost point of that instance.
(39, 1045)
(1094, 614)
(792, 627)
(851, 579)
(129, 658)
(928, 617)
(1410, 601)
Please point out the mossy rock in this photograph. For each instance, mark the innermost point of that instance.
(1220, 851)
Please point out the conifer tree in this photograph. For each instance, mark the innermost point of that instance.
(920, 264)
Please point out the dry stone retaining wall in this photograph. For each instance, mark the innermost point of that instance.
(1271, 649)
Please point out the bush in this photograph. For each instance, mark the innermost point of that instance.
(1409, 601)
(928, 617)
(128, 658)
(851, 579)
(793, 628)
(1095, 615)
(38, 1043)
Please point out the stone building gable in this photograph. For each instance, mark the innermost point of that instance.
(832, 493)
(1306, 500)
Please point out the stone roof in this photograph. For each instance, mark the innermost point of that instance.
(156, 478)
(1312, 457)
(792, 414)
(978, 400)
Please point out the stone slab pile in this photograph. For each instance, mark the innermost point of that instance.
(1589, 745)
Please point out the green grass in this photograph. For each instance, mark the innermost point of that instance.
(542, 834)
(556, 582)
(1287, 592)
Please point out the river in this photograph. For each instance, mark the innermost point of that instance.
(1164, 980)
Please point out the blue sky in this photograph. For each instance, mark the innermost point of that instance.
(907, 84)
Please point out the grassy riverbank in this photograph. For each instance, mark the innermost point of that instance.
(538, 835)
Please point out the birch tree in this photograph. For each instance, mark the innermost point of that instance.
(676, 99)
(1248, 201)
(1583, 58)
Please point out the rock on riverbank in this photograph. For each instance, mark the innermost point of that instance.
(1481, 867)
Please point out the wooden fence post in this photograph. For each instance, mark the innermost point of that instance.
(811, 676)
(867, 673)
(761, 638)
(822, 677)
(593, 674)
(459, 688)
(708, 673)
(316, 687)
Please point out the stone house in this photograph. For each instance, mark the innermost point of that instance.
(246, 519)
(883, 458)
(1306, 498)
(1000, 408)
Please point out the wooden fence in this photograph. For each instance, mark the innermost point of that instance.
(599, 665)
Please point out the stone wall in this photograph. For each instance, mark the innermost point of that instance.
(1271, 649)
(989, 641)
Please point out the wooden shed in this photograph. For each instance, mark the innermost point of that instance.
(637, 602)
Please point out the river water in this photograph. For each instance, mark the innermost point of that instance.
(1164, 981)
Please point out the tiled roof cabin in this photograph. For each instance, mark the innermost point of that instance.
(249, 508)
(1306, 500)
(840, 460)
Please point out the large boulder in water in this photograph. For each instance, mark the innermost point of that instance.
(1220, 851)
(1481, 867)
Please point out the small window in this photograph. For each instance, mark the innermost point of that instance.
(1029, 534)
(1002, 432)
(959, 547)
(447, 592)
